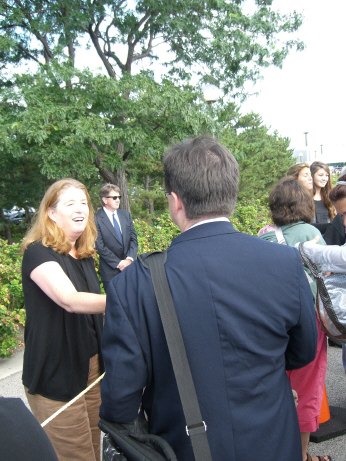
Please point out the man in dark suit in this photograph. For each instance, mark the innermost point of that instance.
(116, 241)
(245, 310)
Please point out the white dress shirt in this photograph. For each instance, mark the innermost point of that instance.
(110, 216)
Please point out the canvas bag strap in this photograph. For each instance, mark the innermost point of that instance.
(195, 426)
(279, 235)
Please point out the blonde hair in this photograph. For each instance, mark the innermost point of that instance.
(294, 170)
(46, 230)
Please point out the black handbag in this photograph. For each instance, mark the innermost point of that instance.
(132, 441)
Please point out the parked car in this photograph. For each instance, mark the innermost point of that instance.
(17, 215)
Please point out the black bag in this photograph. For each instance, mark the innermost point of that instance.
(330, 299)
(132, 442)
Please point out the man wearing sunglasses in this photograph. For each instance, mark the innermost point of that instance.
(116, 241)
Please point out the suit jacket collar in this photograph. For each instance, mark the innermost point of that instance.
(109, 225)
(205, 230)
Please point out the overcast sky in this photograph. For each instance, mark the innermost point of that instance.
(308, 93)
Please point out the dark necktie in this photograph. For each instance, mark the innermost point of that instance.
(117, 230)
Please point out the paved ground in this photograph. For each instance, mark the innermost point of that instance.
(11, 386)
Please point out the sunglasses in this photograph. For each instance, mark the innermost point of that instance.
(114, 197)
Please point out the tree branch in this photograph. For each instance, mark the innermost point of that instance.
(28, 54)
(102, 55)
(147, 52)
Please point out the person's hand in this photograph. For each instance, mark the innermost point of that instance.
(313, 241)
(124, 263)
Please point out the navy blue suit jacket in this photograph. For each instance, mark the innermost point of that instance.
(108, 245)
(246, 313)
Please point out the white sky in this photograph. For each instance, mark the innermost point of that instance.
(308, 93)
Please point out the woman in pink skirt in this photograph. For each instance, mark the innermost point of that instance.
(292, 208)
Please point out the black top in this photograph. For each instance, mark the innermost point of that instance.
(78, 267)
(21, 435)
(321, 212)
(335, 233)
(57, 343)
(321, 216)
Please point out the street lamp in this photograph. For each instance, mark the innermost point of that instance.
(306, 145)
(211, 93)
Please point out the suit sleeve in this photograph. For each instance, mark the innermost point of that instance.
(302, 345)
(105, 253)
(133, 248)
(126, 369)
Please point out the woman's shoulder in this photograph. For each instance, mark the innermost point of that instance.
(36, 254)
(38, 247)
(302, 231)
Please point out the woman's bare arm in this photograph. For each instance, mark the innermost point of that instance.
(50, 277)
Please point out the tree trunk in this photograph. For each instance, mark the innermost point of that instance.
(149, 202)
(116, 177)
(8, 235)
(121, 181)
(146, 187)
(27, 215)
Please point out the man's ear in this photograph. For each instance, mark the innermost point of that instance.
(177, 205)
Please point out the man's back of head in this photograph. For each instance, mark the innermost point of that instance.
(205, 175)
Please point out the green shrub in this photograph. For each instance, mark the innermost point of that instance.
(155, 236)
(250, 216)
(11, 293)
(11, 296)
(9, 326)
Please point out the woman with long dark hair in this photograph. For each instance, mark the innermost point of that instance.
(322, 185)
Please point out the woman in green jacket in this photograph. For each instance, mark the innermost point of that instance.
(292, 208)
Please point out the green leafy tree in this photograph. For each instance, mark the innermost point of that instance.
(263, 158)
(218, 41)
(87, 129)
(220, 38)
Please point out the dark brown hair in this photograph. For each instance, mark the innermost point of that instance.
(339, 191)
(290, 201)
(106, 189)
(204, 175)
(314, 167)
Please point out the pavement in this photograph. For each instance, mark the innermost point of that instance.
(11, 386)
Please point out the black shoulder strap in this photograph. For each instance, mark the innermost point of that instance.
(195, 426)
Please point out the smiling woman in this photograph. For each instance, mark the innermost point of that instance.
(322, 182)
(62, 349)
